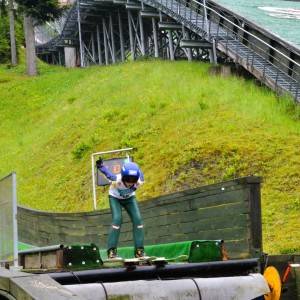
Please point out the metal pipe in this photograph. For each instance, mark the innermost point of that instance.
(99, 45)
(42, 249)
(132, 44)
(143, 50)
(6, 295)
(155, 40)
(93, 48)
(15, 218)
(80, 36)
(122, 49)
(206, 269)
(206, 21)
(238, 287)
(171, 48)
(112, 37)
(105, 41)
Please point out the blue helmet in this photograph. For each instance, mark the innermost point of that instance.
(130, 172)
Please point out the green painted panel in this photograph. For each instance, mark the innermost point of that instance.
(82, 256)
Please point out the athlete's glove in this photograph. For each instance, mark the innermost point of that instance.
(99, 162)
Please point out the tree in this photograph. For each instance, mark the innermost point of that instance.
(11, 34)
(2, 8)
(31, 62)
(4, 40)
(13, 47)
(36, 12)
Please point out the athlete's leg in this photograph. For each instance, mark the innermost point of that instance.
(116, 222)
(133, 211)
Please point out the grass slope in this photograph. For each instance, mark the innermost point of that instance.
(188, 129)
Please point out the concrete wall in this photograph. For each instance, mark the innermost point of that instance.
(70, 57)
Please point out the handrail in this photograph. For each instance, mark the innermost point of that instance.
(245, 31)
(277, 66)
(208, 20)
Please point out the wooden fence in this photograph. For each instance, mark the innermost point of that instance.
(229, 211)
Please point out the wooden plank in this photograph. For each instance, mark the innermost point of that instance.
(194, 201)
(204, 191)
(240, 220)
(198, 233)
(237, 247)
(226, 222)
(199, 212)
(192, 216)
(44, 260)
(181, 196)
(28, 220)
(256, 217)
(226, 234)
(220, 211)
(97, 230)
(47, 227)
(235, 196)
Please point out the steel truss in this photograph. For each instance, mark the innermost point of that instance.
(109, 31)
(106, 32)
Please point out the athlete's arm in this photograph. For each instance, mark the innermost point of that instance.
(142, 176)
(107, 173)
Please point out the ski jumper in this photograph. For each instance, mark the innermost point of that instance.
(122, 196)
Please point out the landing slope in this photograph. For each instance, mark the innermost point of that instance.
(188, 129)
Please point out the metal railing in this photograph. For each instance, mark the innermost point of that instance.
(269, 64)
(268, 58)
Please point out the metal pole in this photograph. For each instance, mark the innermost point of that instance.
(79, 32)
(171, 48)
(93, 48)
(93, 169)
(142, 35)
(42, 249)
(214, 52)
(99, 45)
(59, 58)
(206, 22)
(105, 42)
(155, 37)
(211, 52)
(186, 35)
(15, 223)
(112, 37)
(132, 48)
(121, 38)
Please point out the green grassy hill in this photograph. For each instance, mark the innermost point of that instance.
(187, 129)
